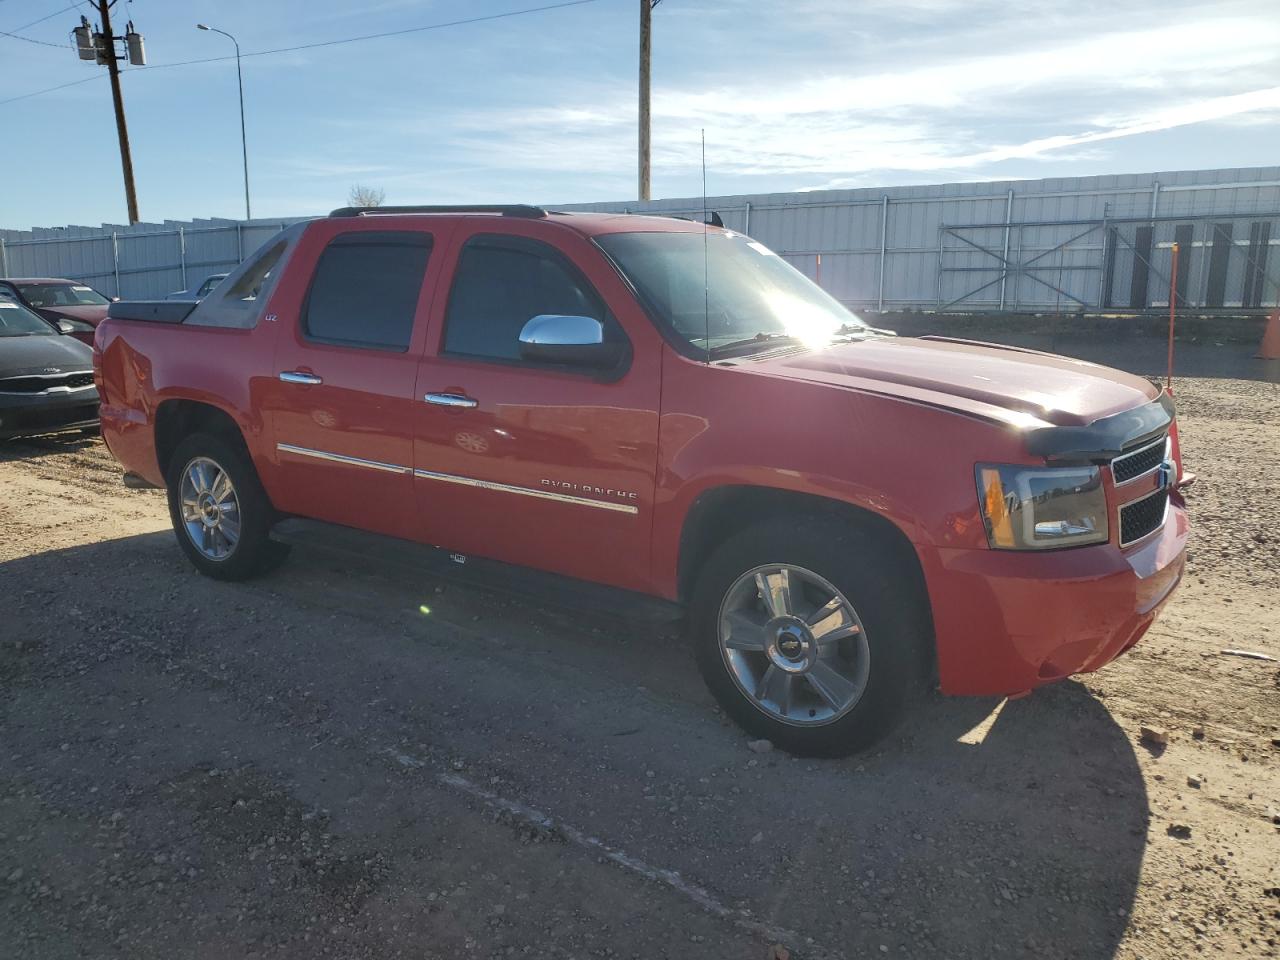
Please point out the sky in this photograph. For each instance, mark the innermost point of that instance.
(541, 107)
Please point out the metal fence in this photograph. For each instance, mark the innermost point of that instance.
(140, 262)
(1070, 244)
(1083, 243)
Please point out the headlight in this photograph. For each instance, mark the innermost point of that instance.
(1041, 508)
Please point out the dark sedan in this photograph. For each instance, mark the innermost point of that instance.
(46, 376)
(54, 299)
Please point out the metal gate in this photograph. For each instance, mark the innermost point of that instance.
(1225, 262)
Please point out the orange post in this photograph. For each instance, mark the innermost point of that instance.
(1173, 307)
(818, 272)
(1269, 349)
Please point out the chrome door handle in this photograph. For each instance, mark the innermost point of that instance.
(450, 400)
(296, 376)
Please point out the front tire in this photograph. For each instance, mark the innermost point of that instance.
(810, 632)
(221, 515)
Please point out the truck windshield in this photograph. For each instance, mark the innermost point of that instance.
(17, 321)
(734, 297)
(61, 295)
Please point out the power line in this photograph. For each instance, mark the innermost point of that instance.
(61, 86)
(14, 33)
(43, 43)
(48, 16)
(321, 43)
(379, 36)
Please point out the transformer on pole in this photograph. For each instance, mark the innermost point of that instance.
(100, 46)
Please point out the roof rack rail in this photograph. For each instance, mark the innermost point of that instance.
(505, 209)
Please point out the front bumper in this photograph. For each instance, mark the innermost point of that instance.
(1007, 622)
(25, 415)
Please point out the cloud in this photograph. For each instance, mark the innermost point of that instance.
(910, 91)
(1217, 108)
(951, 115)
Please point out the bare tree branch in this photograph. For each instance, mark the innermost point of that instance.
(362, 196)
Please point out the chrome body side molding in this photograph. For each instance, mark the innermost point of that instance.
(341, 458)
(454, 478)
(527, 491)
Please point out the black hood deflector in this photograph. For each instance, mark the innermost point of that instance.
(1104, 439)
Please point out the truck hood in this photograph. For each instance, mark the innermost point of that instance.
(1024, 388)
(41, 355)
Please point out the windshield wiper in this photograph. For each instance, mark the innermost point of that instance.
(761, 337)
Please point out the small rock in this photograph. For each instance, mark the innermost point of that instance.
(778, 952)
(758, 837)
(1196, 782)
(760, 746)
(1197, 733)
(1179, 831)
(1154, 736)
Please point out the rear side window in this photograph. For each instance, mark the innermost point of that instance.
(365, 289)
(501, 283)
(254, 279)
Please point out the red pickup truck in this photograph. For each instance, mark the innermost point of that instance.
(666, 409)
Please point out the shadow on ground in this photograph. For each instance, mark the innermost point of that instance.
(29, 448)
(146, 709)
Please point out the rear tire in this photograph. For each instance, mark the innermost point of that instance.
(221, 515)
(823, 659)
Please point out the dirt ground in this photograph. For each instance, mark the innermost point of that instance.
(353, 761)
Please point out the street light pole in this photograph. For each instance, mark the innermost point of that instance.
(244, 148)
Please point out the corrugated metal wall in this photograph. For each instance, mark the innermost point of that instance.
(1058, 244)
(1009, 244)
(143, 261)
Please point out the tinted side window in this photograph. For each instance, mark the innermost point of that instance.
(365, 289)
(501, 283)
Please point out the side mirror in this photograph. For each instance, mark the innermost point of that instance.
(115, 299)
(558, 338)
(66, 326)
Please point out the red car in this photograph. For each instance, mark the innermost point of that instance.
(651, 408)
(81, 306)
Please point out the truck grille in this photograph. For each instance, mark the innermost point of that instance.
(1140, 461)
(74, 381)
(1141, 517)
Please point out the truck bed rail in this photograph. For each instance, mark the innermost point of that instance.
(153, 311)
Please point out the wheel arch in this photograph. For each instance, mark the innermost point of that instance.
(178, 418)
(718, 513)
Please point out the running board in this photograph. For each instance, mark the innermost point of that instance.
(537, 585)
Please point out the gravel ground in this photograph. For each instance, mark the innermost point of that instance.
(309, 765)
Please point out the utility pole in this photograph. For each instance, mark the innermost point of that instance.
(101, 47)
(646, 18)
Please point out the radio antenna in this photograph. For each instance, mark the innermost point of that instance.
(706, 270)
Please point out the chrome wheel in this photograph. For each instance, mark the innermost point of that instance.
(210, 508)
(794, 644)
